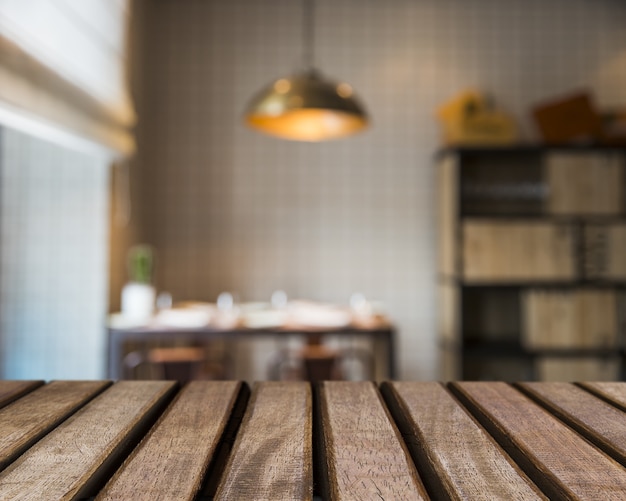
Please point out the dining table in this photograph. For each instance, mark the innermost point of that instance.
(382, 336)
(296, 440)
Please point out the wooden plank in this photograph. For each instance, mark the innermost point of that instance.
(272, 456)
(25, 421)
(555, 457)
(12, 390)
(75, 459)
(614, 392)
(364, 455)
(172, 460)
(457, 458)
(600, 422)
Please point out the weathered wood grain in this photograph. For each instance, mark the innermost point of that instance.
(517, 250)
(562, 463)
(364, 454)
(575, 318)
(614, 392)
(172, 460)
(272, 456)
(584, 183)
(457, 458)
(598, 421)
(25, 421)
(12, 390)
(69, 462)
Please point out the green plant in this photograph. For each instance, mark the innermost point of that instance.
(140, 264)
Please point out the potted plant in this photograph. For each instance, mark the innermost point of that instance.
(138, 295)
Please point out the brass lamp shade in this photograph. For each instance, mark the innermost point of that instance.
(306, 108)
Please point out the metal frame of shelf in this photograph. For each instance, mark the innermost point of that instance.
(465, 213)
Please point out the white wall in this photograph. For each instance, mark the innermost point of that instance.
(230, 209)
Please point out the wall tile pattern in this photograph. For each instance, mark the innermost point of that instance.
(229, 209)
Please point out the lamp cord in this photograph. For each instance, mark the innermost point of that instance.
(308, 35)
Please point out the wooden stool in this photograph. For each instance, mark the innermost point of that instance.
(181, 363)
(320, 362)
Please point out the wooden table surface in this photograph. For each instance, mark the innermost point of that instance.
(134, 440)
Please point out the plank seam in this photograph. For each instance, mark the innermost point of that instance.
(217, 465)
(548, 485)
(321, 443)
(597, 393)
(119, 454)
(35, 438)
(12, 397)
(433, 483)
(575, 424)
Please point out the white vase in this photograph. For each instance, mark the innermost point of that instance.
(138, 301)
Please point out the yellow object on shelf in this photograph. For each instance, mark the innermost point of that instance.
(471, 119)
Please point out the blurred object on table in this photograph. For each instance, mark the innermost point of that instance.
(312, 315)
(186, 315)
(260, 315)
(164, 301)
(365, 313)
(228, 312)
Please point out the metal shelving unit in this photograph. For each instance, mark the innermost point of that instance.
(532, 249)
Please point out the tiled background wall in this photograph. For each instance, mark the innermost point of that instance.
(53, 260)
(229, 209)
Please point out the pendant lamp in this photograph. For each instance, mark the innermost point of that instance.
(306, 106)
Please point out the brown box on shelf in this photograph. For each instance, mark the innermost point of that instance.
(569, 119)
(502, 251)
(572, 319)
